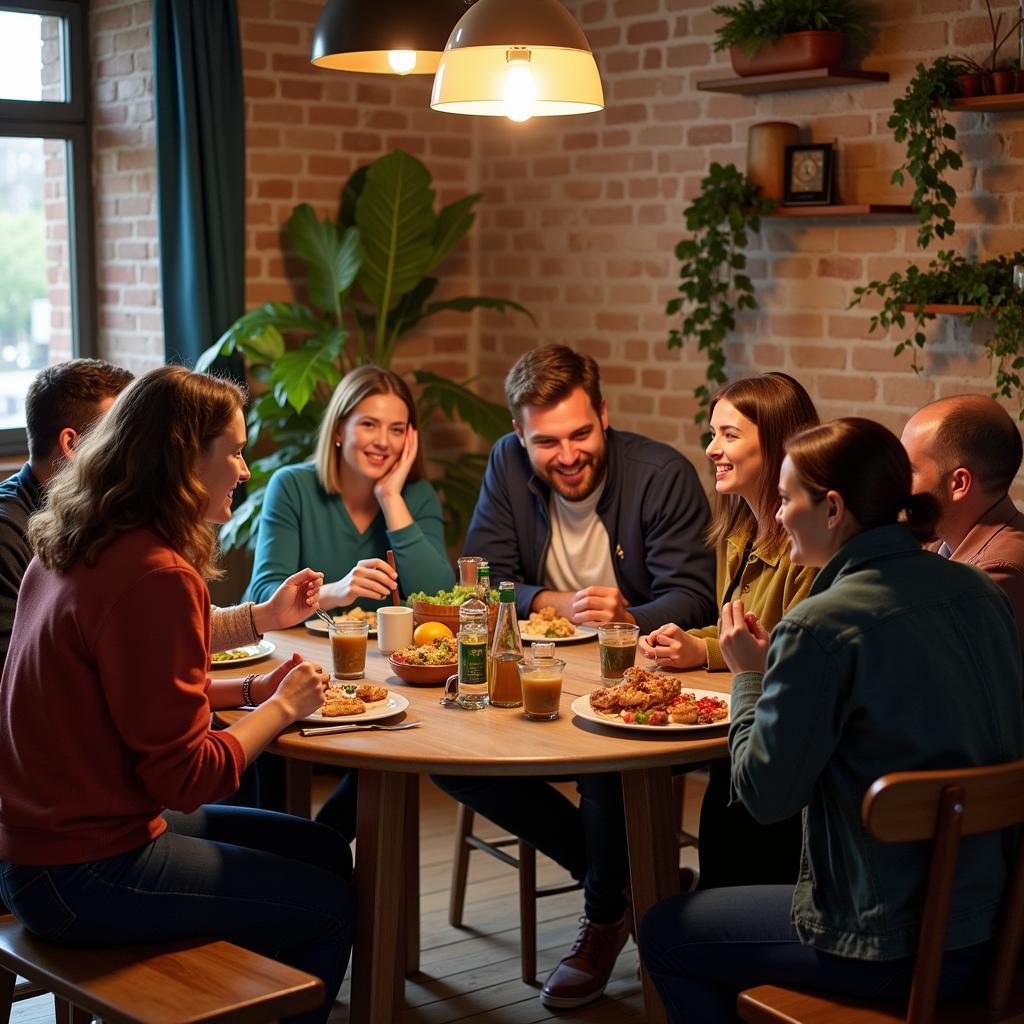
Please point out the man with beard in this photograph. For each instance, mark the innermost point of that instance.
(965, 451)
(605, 526)
(602, 525)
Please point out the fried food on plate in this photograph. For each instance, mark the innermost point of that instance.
(339, 707)
(639, 690)
(546, 623)
(369, 693)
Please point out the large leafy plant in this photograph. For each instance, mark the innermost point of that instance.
(712, 283)
(951, 278)
(371, 274)
(750, 24)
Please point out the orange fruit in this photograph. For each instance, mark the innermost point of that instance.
(428, 632)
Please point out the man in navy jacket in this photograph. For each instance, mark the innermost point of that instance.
(604, 526)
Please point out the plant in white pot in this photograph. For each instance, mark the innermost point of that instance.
(774, 36)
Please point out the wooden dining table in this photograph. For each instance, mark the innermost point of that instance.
(492, 741)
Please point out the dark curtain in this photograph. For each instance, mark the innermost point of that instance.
(200, 115)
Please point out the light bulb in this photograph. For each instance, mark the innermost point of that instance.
(520, 92)
(402, 61)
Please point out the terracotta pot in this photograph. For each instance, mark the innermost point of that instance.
(1003, 82)
(1018, 85)
(766, 155)
(798, 51)
(969, 85)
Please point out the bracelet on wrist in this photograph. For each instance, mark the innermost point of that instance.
(252, 621)
(247, 700)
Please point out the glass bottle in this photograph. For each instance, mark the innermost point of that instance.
(472, 638)
(503, 684)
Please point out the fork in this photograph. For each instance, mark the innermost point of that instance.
(322, 730)
(321, 614)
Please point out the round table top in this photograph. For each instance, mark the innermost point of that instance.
(494, 741)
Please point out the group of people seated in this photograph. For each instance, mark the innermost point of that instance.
(867, 596)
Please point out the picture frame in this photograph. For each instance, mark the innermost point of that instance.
(809, 174)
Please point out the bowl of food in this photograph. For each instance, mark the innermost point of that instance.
(426, 664)
(445, 604)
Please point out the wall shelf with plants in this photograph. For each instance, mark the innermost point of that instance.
(845, 210)
(988, 104)
(791, 81)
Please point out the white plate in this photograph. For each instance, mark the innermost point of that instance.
(254, 652)
(582, 635)
(320, 627)
(393, 705)
(581, 706)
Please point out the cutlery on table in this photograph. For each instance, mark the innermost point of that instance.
(326, 730)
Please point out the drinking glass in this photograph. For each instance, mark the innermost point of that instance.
(394, 629)
(348, 649)
(541, 680)
(617, 643)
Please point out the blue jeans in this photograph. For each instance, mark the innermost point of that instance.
(271, 883)
(703, 948)
(589, 841)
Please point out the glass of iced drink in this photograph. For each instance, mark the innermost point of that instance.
(617, 643)
(348, 649)
(541, 680)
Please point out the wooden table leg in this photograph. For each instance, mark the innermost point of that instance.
(411, 869)
(378, 955)
(653, 839)
(298, 787)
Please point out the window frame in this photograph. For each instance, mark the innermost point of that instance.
(69, 120)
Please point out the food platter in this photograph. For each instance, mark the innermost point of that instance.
(393, 704)
(319, 627)
(581, 707)
(581, 636)
(253, 652)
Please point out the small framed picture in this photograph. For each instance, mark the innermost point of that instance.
(809, 175)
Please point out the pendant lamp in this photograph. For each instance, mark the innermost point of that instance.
(403, 37)
(517, 59)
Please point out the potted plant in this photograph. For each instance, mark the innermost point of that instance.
(712, 285)
(1003, 76)
(774, 36)
(370, 278)
(978, 290)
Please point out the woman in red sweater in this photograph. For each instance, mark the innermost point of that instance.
(106, 750)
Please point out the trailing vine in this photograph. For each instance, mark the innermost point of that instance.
(728, 207)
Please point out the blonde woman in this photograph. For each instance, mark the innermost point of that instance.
(106, 750)
(362, 494)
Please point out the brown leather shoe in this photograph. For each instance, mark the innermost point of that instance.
(582, 975)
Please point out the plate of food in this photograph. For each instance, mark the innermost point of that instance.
(546, 626)
(356, 703)
(653, 700)
(426, 664)
(241, 655)
(352, 615)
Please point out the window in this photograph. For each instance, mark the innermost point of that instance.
(46, 254)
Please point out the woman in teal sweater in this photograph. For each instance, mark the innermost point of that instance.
(362, 494)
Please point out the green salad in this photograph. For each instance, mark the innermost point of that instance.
(457, 595)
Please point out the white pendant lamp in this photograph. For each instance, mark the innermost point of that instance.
(517, 59)
(396, 37)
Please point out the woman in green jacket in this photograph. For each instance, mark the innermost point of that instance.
(750, 420)
(897, 660)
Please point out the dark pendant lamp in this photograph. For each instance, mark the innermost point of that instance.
(403, 37)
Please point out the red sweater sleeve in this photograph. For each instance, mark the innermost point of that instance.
(151, 650)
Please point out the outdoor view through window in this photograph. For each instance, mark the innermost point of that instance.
(35, 291)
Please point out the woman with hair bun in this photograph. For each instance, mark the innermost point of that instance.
(898, 660)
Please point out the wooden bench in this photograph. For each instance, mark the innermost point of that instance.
(185, 982)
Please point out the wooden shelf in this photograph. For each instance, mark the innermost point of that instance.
(990, 104)
(950, 309)
(845, 210)
(815, 78)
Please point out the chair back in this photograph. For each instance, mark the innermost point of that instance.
(942, 807)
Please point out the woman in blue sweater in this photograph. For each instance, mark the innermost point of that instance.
(363, 493)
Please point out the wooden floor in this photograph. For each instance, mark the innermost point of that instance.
(471, 974)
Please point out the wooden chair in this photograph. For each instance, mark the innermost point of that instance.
(526, 864)
(185, 982)
(937, 806)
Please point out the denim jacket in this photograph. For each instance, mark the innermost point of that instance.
(899, 660)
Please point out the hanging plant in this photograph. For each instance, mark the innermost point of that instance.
(919, 120)
(952, 279)
(712, 283)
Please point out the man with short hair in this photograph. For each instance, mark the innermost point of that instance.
(966, 451)
(603, 526)
(62, 402)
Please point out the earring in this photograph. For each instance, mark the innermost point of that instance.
(337, 444)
